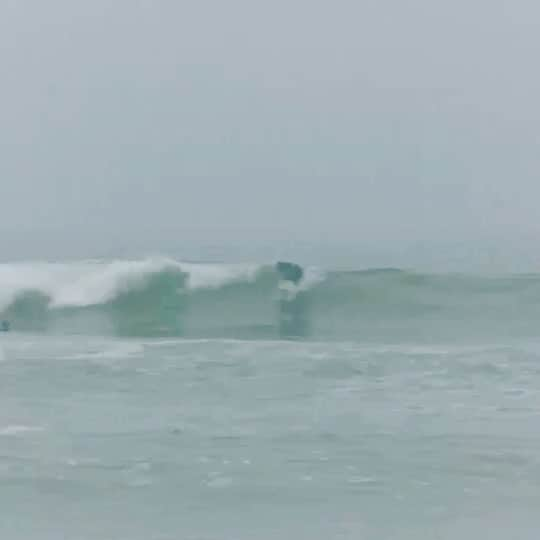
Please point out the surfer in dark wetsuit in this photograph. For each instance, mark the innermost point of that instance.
(290, 272)
(293, 309)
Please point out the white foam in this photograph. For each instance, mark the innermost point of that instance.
(87, 283)
(13, 430)
(213, 276)
(122, 350)
(312, 277)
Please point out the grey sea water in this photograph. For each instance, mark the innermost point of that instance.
(376, 405)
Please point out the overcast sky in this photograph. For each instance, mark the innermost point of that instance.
(384, 124)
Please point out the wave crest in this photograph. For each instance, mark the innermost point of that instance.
(91, 283)
(164, 297)
(155, 296)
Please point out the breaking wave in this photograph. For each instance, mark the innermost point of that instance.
(165, 297)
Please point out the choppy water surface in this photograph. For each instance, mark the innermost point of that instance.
(115, 438)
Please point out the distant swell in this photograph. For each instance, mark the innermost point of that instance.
(164, 297)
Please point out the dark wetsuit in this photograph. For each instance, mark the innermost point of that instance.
(290, 272)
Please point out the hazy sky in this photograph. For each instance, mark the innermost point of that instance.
(388, 125)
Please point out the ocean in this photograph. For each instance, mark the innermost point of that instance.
(154, 399)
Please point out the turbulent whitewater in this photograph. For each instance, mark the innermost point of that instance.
(165, 297)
